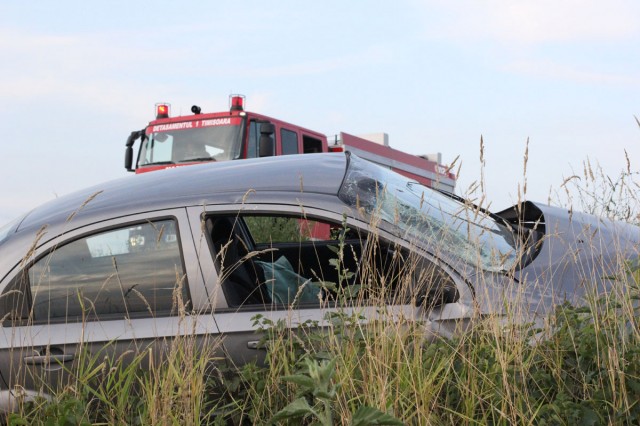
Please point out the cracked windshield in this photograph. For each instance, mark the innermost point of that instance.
(422, 214)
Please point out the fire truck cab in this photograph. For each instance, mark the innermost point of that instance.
(236, 134)
(179, 141)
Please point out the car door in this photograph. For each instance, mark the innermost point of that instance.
(274, 262)
(118, 287)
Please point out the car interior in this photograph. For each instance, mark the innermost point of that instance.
(259, 267)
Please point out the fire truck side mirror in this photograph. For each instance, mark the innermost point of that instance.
(266, 147)
(128, 158)
(128, 153)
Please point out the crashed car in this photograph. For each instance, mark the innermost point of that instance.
(123, 265)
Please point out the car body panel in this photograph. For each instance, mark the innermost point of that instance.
(577, 256)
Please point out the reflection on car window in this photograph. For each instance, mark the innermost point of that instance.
(419, 213)
(129, 271)
(7, 228)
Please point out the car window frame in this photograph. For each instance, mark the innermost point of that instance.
(219, 303)
(197, 216)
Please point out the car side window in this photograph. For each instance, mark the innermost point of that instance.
(291, 260)
(134, 271)
(275, 259)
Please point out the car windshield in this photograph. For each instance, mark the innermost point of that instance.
(192, 141)
(421, 214)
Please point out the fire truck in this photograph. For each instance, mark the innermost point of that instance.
(236, 134)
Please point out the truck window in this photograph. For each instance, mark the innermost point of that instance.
(254, 137)
(202, 140)
(253, 142)
(157, 149)
(289, 141)
(311, 145)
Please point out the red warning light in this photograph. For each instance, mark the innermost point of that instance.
(162, 110)
(237, 102)
(336, 148)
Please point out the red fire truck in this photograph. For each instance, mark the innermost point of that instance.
(177, 141)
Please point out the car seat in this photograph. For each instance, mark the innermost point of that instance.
(242, 278)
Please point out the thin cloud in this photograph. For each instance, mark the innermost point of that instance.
(554, 70)
(532, 21)
(85, 68)
(97, 66)
(372, 55)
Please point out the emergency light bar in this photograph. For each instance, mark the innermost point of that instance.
(237, 102)
(162, 110)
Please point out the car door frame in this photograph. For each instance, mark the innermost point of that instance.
(239, 336)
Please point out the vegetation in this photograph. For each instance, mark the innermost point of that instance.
(585, 371)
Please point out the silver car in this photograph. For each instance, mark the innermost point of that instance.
(125, 264)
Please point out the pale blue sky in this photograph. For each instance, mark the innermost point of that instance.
(78, 76)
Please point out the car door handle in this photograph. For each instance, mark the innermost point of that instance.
(255, 344)
(48, 359)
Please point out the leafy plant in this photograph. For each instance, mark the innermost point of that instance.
(317, 393)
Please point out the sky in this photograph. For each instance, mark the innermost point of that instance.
(555, 81)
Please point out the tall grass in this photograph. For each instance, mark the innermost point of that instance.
(138, 387)
(584, 370)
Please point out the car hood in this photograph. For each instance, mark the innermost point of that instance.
(578, 256)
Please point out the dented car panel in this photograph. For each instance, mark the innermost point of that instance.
(576, 256)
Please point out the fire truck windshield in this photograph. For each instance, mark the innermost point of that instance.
(190, 142)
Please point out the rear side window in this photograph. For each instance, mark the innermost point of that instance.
(131, 271)
(311, 145)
